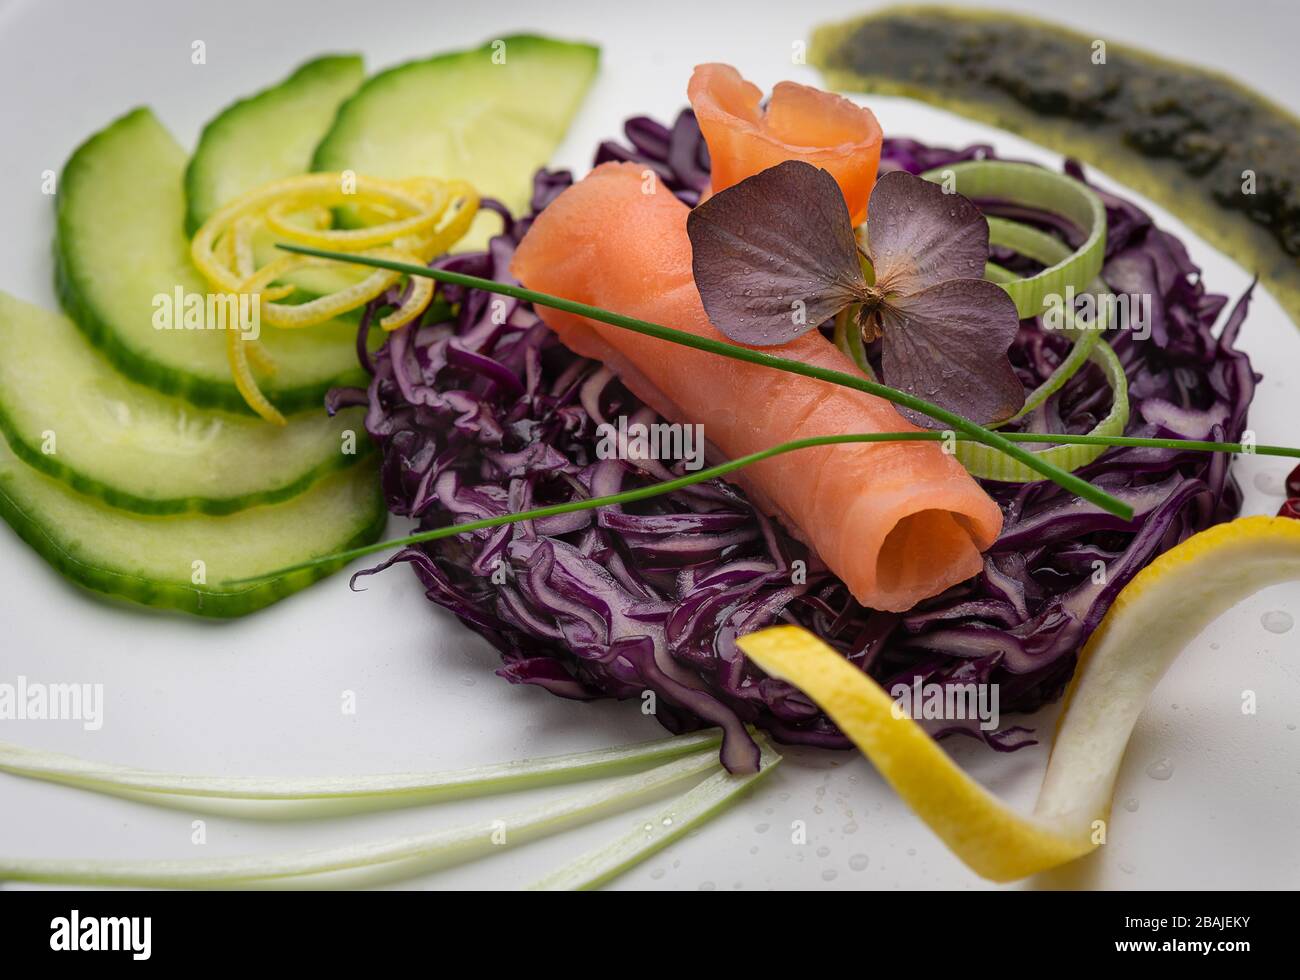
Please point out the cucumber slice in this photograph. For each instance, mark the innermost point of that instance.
(267, 136)
(151, 560)
(491, 115)
(65, 411)
(121, 243)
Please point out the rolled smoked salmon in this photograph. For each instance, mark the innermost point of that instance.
(897, 522)
(800, 123)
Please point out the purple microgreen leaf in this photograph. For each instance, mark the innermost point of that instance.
(919, 236)
(948, 344)
(774, 256)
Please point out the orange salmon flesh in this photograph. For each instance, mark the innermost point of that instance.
(897, 522)
(799, 123)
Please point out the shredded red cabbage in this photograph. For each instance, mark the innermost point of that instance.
(483, 412)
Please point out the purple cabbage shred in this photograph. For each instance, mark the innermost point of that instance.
(480, 411)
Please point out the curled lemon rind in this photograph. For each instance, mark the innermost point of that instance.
(1161, 610)
(409, 220)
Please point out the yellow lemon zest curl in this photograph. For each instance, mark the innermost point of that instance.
(409, 220)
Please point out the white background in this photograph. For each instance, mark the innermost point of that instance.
(262, 696)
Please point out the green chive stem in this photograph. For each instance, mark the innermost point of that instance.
(722, 469)
(978, 433)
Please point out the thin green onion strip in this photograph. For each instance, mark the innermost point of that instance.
(699, 804)
(722, 469)
(1066, 270)
(998, 274)
(1037, 187)
(447, 846)
(480, 781)
(1085, 340)
(1028, 241)
(1087, 346)
(1068, 481)
(989, 464)
(1043, 248)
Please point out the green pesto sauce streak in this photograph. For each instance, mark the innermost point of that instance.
(1187, 138)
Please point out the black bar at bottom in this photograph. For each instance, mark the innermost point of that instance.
(333, 929)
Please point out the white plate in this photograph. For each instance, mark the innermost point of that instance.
(263, 696)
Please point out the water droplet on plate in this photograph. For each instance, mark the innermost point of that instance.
(1161, 769)
(830, 874)
(707, 886)
(761, 828)
(1277, 621)
(1270, 482)
(823, 852)
(1127, 868)
(859, 862)
(1131, 804)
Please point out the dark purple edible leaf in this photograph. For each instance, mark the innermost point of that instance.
(918, 236)
(774, 256)
(948, 344)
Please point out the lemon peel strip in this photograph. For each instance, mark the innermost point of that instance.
(258, 358)
(1161, 610)
(418, 219)
(417, 300)
(995, 841)
(458, 224)
(277, 219)
(245, 381)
